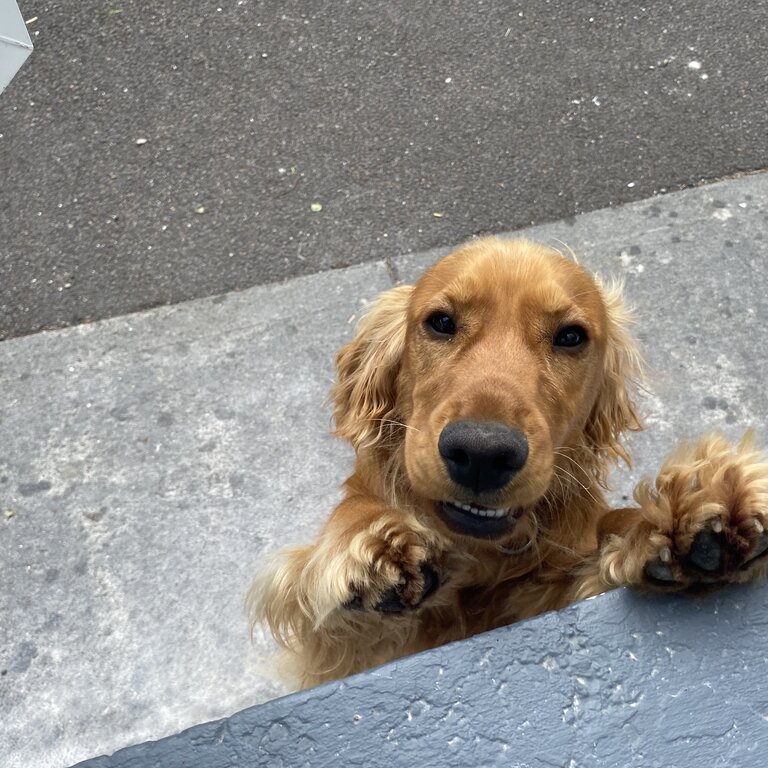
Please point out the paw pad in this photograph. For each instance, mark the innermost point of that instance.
(707, 549)
(716, 552)
(394, 599)
(659, 571)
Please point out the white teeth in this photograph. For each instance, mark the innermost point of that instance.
(496, 513)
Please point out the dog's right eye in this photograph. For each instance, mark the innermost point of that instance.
(441, 324)
(570, 337)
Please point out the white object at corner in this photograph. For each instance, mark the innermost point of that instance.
(15, 44)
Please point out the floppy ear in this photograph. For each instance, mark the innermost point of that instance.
(367, 369)
(614, 412)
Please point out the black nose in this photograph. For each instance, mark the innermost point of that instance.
(482, 455)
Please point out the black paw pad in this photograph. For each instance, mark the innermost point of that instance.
(706, 551)
(659, 572)
(355, 604)
(391, 601)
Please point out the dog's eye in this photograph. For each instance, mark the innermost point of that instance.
(441, 323)
(571, 336)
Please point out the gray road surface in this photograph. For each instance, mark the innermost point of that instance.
(412, 124)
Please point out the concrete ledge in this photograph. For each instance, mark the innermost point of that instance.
(620, 680)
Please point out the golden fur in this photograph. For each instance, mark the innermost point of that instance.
(398, 387)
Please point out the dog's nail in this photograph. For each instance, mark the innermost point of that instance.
(665, 555)
(759, 526)
(717, 525)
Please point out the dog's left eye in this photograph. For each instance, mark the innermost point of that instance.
(441, 324)
(571, 336)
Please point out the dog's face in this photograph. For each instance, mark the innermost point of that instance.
(505, 357)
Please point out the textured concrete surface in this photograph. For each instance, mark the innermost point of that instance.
(148, 463)
(413, 124)
(620, 680)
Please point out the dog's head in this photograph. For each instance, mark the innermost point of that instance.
(505, 363)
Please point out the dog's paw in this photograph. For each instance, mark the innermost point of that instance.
(401, 568)
(704, 520)
(408, 593)
(717, 552)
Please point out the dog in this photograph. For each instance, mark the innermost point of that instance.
(486, 405)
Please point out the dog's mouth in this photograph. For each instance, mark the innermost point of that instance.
(478, 521)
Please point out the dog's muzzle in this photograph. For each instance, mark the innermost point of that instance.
(481, 457)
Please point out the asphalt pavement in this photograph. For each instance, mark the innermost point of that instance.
(157, 152)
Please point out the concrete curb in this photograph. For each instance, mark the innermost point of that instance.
(620, 680)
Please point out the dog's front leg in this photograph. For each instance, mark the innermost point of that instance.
(704, 521)
(350, 600)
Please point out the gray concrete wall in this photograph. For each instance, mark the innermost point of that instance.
(621, 680)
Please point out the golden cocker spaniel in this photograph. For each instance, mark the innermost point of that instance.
(485, 405)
